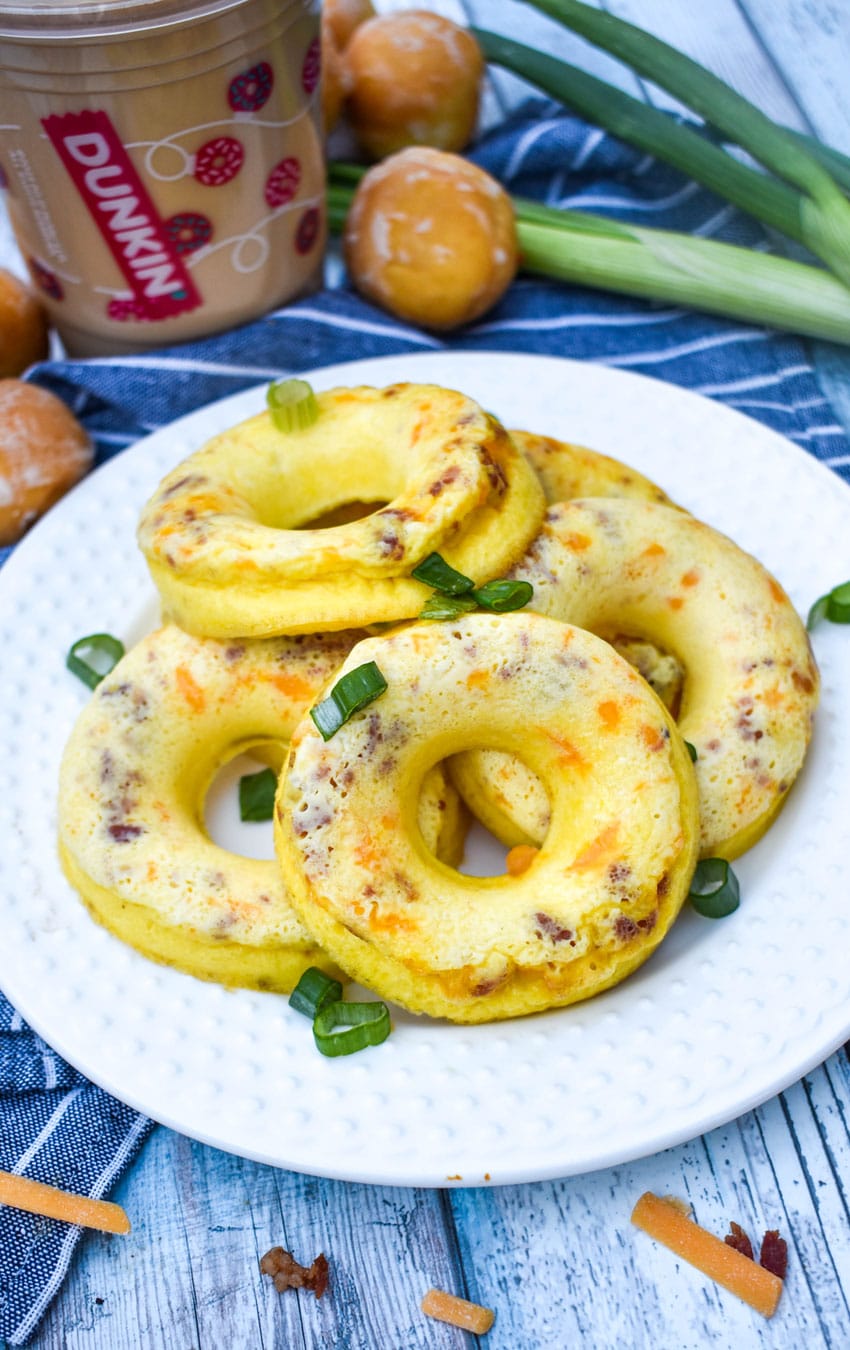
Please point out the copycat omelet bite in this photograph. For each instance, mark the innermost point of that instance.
(608, 880)
(133, 781)
(227, 535)
(750, 685)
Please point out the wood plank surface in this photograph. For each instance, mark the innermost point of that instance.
(559, 1261)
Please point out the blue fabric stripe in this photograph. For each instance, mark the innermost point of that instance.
(539, 153)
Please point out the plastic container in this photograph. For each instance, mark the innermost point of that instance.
(162, 162)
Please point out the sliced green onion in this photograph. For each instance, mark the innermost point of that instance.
(834, 606)
(650, 129)
(256, 795)
(342, 1028)
(714, 889)
(682, 269)
(503, 596)
(313, 991)
(354, 691)
(92, 658)
(292, 405)
(446, 606)
(436, 572)
(824, 211)
(692, 751)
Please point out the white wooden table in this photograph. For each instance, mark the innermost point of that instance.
(558, 1260)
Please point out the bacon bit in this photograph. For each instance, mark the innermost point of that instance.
(737, 1238)
(286, 1273)
(458, 1312)
(552, 929)
(609, 711)
(774, 1253)
(519, 859)
(802, 682)
(190, 689)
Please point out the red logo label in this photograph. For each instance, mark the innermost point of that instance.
(119, 204)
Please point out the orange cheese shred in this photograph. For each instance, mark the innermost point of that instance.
(37, 1198)
(458, 1312)
(737, 1273)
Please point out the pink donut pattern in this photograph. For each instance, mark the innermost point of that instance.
(46, 280)
(312, 67)
(188, 230)
(250, 90)
(218, 161)
(126, 310)
(308, 230)
(282, 182)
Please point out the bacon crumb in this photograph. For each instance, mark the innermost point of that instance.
(737, 1238)
(286, 1273)
(774, 1253)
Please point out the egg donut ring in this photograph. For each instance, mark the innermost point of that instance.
(566, 470)
(750, 684)
(221, 533)
(133, 780)
(603, 889)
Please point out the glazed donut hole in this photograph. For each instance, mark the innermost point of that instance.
(431, 237)
(44, 451)
(415, 80)
(344, 16)
(335, 81)
(23, 327)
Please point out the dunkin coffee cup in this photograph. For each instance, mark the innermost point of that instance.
(162, 162)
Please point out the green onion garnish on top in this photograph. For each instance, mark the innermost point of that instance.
(692, 751)
(503, 596)
(91, 658)
(714, 889)
(256, 795)
(313, 991)
(354, 691)
(834, 606)
(436, 572)
(446, 606)
(292, 404)
(342, 1028)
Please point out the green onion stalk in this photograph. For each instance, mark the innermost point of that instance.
(682, 269)
(824, 210)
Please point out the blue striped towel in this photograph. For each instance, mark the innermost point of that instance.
(53, 1124)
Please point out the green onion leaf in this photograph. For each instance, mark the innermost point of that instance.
(256, 795)
(354, 691)
(92, 658)
(342, 1028)
(692, 751)
(313, 991)
(503, 596)
(649, 129)
(292, 405)
(824, 211)
(436, 572)
(446, 606)
(714, 889)
(834, 606)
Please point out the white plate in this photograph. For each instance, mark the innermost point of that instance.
(723, 1016)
